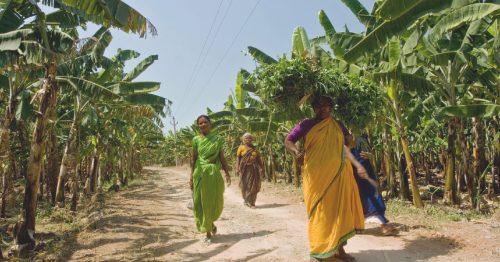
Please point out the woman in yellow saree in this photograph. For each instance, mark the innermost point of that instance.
(330, 190)
(206, 180)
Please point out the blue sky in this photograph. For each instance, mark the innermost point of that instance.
(183, 27)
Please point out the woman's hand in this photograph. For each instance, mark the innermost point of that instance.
(365, 155)
(299, 156)
(228, 179)
(362, 172)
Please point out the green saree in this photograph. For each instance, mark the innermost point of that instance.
(208, 185)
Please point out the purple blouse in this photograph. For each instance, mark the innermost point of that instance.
(304, 126)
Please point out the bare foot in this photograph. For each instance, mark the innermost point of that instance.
(207, 241)
(389, 230)
(345, 257)
(342, 255)
(214, 230)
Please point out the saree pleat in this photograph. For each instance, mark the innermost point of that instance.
(208, 185)
(330, 190)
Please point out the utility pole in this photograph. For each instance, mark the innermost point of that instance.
(174, 124)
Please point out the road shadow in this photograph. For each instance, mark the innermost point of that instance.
(130, 228)
(419, 249)
(226, 241)
(228, 238)
(273, 205)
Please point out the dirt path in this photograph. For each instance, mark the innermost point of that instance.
(150, 222)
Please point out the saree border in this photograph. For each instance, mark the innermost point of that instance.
(332, 252)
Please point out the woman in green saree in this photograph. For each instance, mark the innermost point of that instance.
(206, 180)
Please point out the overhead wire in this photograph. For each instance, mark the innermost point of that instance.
(230, 46)
(191, 78)
(215, 37)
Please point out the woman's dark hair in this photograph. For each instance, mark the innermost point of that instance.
(316, 100)
(203, 116)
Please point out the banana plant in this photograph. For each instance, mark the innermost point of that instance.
(444, 24)
(37, 43)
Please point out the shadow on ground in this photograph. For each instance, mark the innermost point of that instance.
(412, 251)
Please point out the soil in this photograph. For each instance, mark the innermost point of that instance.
(151, 222)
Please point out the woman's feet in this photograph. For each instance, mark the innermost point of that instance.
(249, 205)
(389, 230)
(208, 239)
(214, 230)
(343, 256)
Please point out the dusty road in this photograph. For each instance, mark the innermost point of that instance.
(150, 222)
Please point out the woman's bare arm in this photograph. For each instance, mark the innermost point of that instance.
(359, 167)
(193, 163)
(225, 167)
(238, 159)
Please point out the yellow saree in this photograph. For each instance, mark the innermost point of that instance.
(330, 191)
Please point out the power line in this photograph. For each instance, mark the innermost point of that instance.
(190, 82)
(231, 45)
(247, 19)
(213, 40)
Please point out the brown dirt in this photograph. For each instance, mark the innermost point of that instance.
(150, 222)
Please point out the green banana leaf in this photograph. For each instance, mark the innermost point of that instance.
(479, 110)
(140, 68)
(461, 16)
(127, 88)
(300, 42)
(114, 13)
(260, 57)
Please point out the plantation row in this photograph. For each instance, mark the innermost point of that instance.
(422, 82)
(72, 120)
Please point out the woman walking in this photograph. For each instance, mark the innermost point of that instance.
(330, 191)
(372, 201)
(249, 167)
(206, 180)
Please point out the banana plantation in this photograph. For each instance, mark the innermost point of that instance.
(72, 119)
(422, 82)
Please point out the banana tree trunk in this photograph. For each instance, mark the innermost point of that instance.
(93, 170)
(100, 176)
(74, 187)
(479, 159)
(426, 167)
(52, 164)
(464, 153)
(388, 166)
(5, 151)
(496, 160)
(450, 181)
(68, 161)
(48, 103)
(23, 136)
(417, 201)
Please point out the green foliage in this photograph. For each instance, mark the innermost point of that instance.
(431, 213)
(356, 100)
(286, 82)
(290, 82)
